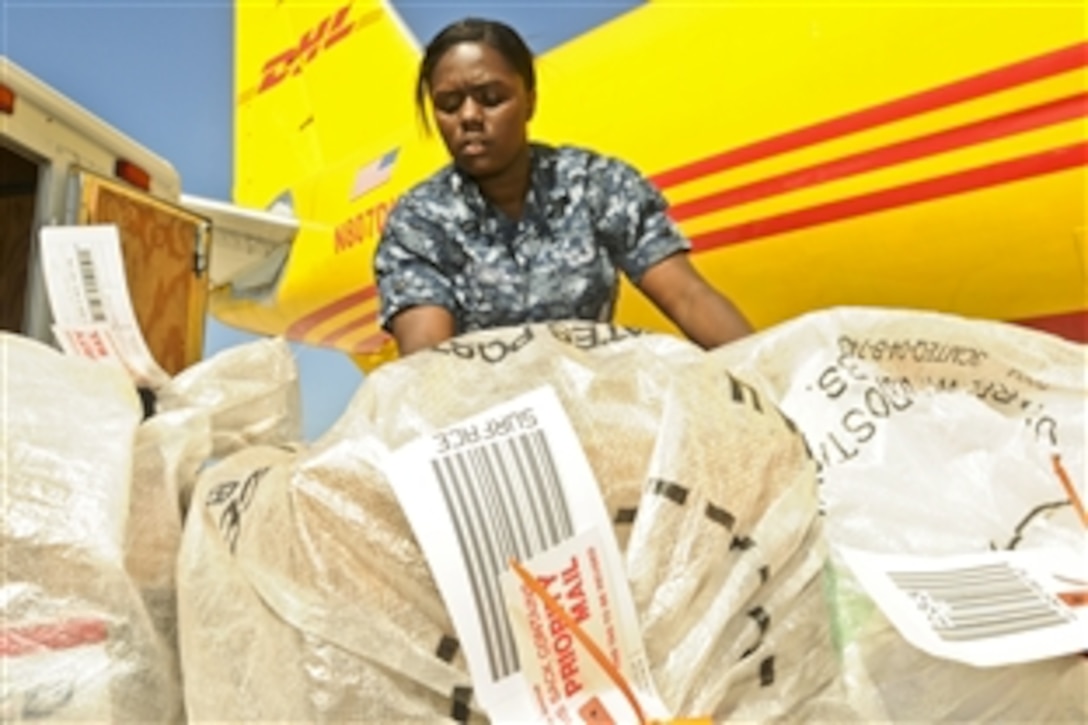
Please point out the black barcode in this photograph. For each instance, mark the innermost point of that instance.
(981, 602)
(506, 502)
(89, 277)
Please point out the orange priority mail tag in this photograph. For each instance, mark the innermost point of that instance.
(578, 638)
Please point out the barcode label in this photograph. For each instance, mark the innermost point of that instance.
(88, 276)
(981, 602)
(506, 502)
(509, 483)
(84, 274)
(986, 609)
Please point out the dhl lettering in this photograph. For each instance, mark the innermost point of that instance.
(364, 227)
(331, 30)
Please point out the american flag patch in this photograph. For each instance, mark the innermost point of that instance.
(373, 174)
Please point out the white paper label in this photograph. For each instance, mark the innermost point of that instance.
(988, 609)
(88, 293)
(508, 484)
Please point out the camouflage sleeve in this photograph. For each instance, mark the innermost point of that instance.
(407, 266)
(635, 221)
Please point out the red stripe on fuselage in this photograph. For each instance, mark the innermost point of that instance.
(347, 328)
(300, 327)
(1028, 119)
(1004, 172)
(1023, 72)
(1070, 325)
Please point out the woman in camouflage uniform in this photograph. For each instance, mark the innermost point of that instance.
(513, 231)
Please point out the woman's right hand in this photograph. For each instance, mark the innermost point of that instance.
(421, 327)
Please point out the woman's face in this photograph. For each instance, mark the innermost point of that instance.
(482, 108)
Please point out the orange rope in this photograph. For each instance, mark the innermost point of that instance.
(1070, 489)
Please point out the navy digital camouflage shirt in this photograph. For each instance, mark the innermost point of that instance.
(586, 218)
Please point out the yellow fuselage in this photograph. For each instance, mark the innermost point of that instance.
(905, 155)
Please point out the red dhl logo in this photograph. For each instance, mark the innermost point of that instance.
(331, 30)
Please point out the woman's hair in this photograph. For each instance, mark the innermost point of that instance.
(499, 36)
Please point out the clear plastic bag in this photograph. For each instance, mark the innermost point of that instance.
(76, 642)
(935, 435)
(305, 596)
(251, 393)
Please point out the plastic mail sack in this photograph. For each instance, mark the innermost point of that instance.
(170, 448)
(204, 406)
(251, 392)
(76, 642)
(303, 594)
(935, 436)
